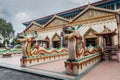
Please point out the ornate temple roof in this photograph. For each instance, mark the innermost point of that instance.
(71, 20)
(107, 31)
(72, 12)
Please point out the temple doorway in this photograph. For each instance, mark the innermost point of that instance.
(91, 41)
(47, 39)
(56, 44)
(56, 41)
(109, 48)
(108, 40)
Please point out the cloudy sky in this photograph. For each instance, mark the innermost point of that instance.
(19, 11)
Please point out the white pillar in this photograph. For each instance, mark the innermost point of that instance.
(118, 26)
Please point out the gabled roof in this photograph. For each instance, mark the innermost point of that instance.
(43, 26)
(94, 8)
(54, 17)
(71, 20)
(107, 31)
(98, 3)
(33, 22)
(90, 31)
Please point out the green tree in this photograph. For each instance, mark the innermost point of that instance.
(6, 41)
(6, 28)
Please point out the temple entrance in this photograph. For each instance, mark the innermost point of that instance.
(56, 41)
(47, 41)
(109, 48)
(91, 38)
(91, 41)
(108, 40)
(56, 44)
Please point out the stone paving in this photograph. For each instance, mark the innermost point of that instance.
(13, 60)
(55, 68)
(106, 70)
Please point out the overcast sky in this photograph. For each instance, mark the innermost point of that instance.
(19, 11)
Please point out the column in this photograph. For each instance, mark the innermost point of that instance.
(118, 26)
(119, 35)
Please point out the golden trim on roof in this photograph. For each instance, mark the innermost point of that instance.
(54, 17)
(107, 31)
(32, 23)
(94, 8)
(56, 37)
(70, 21)
(90, 33)
(47, 38)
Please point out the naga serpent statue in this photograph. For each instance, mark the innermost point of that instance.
(28, 51)
(76, 48)
(26, 47)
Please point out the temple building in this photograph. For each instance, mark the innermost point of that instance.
(100, 25)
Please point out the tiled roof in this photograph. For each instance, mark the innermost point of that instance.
(64, 14)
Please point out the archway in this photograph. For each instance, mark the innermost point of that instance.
(56, 40)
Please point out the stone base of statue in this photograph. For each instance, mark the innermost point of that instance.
(7, 55)
(34, 60)
(79, 66)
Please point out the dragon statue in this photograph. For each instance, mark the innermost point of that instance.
(76, 48)
(37, 50)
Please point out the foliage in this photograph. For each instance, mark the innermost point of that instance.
(6, 41)
(6, 28)
(15, 42)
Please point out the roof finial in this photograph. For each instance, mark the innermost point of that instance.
(89, 4)
(105, 27)
(55, 14)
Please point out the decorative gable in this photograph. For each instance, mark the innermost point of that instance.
(56, 21)
(91, 13)
(90, 33)
(32, 28)
(56, 37)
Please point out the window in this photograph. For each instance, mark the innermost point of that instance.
(118, 5)
(112, 7)
(108, 7)
(91, 41)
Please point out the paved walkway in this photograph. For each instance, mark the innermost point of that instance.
(13, 60)
(107, 70)
(55, 68)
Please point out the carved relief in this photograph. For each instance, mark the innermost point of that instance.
(94, 20)
(91, 38)
(55, 22)
(91, 14)
(32, 29)
(90, 33)
(56, 37)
